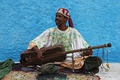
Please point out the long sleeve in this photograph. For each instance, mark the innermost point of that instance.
(43, 40)
(77, 42)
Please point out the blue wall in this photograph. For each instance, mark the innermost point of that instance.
(22, 20)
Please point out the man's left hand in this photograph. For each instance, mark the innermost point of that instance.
(88, 52)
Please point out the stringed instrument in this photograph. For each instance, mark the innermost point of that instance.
(52, 54)
(29, 58)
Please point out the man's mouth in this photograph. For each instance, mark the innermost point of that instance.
(57, 21)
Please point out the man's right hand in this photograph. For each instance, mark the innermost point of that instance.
(39, 53)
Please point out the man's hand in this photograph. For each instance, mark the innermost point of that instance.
(39, 53)
(88, 52)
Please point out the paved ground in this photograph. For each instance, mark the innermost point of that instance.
(113, 73)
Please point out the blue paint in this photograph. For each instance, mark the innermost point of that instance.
(22, 20)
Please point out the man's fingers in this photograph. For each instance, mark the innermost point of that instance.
(40, 57)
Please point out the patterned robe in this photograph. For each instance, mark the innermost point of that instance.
(70, 38)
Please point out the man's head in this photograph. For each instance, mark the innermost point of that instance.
(62, 16)
(64, 12)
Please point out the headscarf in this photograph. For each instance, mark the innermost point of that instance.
(66, 13)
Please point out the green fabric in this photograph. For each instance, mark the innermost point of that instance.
(5, 67)
(48, 69)
(92, 62)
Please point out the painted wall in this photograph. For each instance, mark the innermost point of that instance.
(22, 20)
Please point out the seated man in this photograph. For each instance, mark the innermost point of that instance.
(68, 36)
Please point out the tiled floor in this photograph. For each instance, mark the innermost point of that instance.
(113, 73)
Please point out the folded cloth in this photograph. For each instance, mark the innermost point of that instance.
(92, 62)
(48, 69)
(5, 67)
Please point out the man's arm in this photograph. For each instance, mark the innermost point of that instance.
(38, 51)
(32, 46)
(88, 52)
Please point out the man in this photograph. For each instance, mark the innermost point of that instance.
(61, 34)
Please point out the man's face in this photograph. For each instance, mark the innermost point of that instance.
(60, 19)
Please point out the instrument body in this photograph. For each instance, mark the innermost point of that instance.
(52, 54)
(30, 57)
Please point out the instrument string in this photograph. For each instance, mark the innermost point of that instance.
(103, 57)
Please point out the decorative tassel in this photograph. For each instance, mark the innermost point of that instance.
(108, 66)
(70, 22)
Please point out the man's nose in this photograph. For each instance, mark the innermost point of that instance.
(57, 17)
